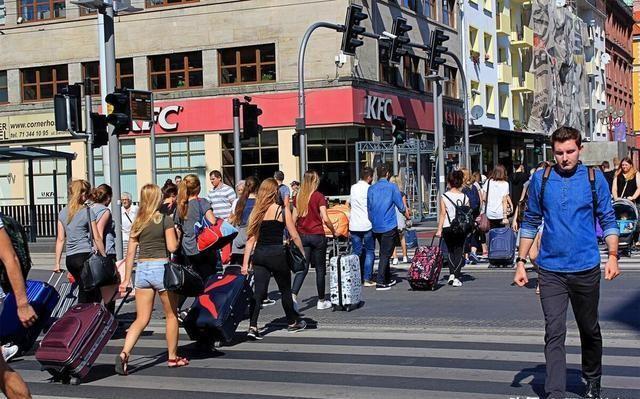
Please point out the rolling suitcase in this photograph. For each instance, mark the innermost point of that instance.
(73, 343)
(68, 292)
(216, 313)
(345, 281)
(502, 246)
(43, 297)
(425, 268)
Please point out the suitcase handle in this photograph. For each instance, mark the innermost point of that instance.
(60, 273)
(126, 295)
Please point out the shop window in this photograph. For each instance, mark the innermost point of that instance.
(411, 72)
(246, 65)
(43, 83)
(175, 71)
(4, 93)
(128, 178)
(3, 12)
(450, 81)
(162, 3)
(41, 10)
(124, 74)
(448, 13)
(180, 156)
(98, 167)
(259, 156)
(331, 152)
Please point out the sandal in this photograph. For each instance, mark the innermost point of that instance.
(177, 362)
(122, 363)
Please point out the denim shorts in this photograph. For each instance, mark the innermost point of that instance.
(150, 274)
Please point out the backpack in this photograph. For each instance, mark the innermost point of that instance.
(20, 244)
(463, 222)
(592, 182)
(474, 198)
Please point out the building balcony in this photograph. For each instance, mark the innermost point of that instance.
(522, 38)
(504, 73)
(503, 24)
(523, 84)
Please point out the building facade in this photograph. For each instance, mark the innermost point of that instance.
(196, 56)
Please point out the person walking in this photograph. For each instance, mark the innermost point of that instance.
(497, 199)
(471, 191)
(267, 222)
(626, 183)
(169, 195)
(11, 383)
(154, 234)
(309, 216)
(240, 218)
(454, 240)
(128, 212)
(295, 188)
(284, 194)
(569, 258)
(402, 223)
(73, 232)
(362, 242)
(382, 200)
(220, 196)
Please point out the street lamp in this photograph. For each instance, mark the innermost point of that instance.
(610, 117)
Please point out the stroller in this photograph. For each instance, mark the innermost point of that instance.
(627, 219)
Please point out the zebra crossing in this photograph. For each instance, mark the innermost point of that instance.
(340, 361)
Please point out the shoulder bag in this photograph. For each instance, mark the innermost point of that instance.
(295, 259)
(482, 221)
(97, 271)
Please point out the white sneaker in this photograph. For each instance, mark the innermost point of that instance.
(457, 283)
(405, 260)
(9, 351)
(451, 278)
(323, 305)
(395, 261)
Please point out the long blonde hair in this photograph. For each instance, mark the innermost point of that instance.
(267, 196)
(310, 182)
(631, 174)
(79, 191)
(190, 185)
(150, 201)
(397, 180)
(467, 180)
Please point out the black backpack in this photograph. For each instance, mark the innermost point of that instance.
(20, 244)
(463, 222)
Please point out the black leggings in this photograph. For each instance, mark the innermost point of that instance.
(206, 263)
(75, 264)
(455, 246)
(315, 251)
(271, 260)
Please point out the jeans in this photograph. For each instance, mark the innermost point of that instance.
(150, 274)
(583, 291)
(315, 251)
(363, 245)
(387, 242)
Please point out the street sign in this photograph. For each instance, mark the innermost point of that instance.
(141, 105)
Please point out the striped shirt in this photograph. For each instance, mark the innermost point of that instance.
(221, 199)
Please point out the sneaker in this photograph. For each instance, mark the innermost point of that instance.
(268, 302)
(323, 305)
(474, 258)
(181, 316)
(299, 326)
(451, 278)
(9, 351)
(395, 261)
(405, 259)
(383, 287)
(368, 283)
(254, 334)
(457, 283)
(392, 283)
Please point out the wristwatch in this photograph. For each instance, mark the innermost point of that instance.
(519, 259)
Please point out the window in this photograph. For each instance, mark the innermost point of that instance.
(259, 156)
(331, 152)
(4, 93)
(474, 45)
(489, 106)
(503, 57)
(430, 9)
(504, 105)
(488, 47)
(180, 156)
(124, 74)
(451, 82)
(162, 3)
(43, 82)
(43, 176)
(410, 4)
(3, 12)
(475, 93)
(448, 13)
(128, 181)
(245, 65)
(175, 71)
(411, 72)
(388, 72)
(40, 10)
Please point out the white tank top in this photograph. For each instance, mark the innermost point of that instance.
(458, 199)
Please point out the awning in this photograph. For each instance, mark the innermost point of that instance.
(32, 153)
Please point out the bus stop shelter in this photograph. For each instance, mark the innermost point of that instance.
(31, 154)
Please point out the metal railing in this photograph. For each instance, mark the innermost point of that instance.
(45, 222)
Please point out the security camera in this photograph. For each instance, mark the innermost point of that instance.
(341, 59)
(475, 92)
(19, 20)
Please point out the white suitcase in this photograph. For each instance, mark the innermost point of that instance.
(345, 282)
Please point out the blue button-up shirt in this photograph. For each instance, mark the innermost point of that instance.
(382, 200)
(569, 242)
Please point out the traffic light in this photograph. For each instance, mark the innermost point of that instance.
(295, 144)
(437, 49)
(74, 94)
(119, 111)
(399, 130)
(398, 44)
(353, 29)
(250, 126)
(100, 134)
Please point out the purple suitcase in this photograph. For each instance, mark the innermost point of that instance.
(425, 268)
(74, 341)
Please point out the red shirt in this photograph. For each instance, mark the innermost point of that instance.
(312, 222)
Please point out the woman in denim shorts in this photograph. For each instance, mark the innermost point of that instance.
(154, 235)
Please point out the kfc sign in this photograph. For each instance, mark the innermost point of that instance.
(377, 108)
(165, 117)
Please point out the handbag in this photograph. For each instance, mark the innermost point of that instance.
(215, 235)
(182, 279)
(295, 258)
(482, 220)
(97, 271)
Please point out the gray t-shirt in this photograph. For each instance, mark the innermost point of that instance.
(195, 210)
(77, 231)
(109, 231)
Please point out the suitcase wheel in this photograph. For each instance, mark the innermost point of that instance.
(74, 381)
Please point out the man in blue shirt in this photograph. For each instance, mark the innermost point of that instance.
(569, 259)
(382, 200)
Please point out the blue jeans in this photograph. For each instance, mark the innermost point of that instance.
(362, 241)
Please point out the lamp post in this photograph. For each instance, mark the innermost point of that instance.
(609, 117)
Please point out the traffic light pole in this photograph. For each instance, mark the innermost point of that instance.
(301, 120)
(467, 157)
(89, 131)
(436, 89)
(237, 154)
(395, 159)
(152, 139)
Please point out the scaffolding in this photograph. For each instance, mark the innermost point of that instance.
(418, 165)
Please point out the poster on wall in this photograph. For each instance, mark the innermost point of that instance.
(19, 128)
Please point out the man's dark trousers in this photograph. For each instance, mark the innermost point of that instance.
(583, 290)
(387, 241)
